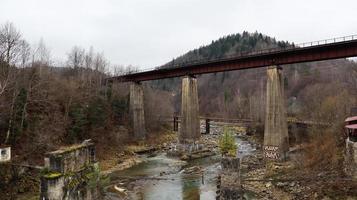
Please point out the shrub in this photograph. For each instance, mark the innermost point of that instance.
(323, 151)
(18, 122)
(79, 122)
(119, 107)
(227, 143)
(97, 112)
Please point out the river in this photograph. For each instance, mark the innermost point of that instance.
(165, 178)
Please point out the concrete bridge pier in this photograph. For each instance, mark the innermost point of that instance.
(190, 124)
(137, 110)
(207, 126)
(276, 138)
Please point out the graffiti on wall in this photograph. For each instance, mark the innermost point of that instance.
(271, 152)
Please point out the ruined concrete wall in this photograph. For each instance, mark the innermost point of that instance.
(52, 189)
(137, 110)
(67, 172)
(351, 159)
(229, 184)
(190, 125)
(276, 138)
(70, 159)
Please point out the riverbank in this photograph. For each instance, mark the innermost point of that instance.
(290, 180)
(117, 159)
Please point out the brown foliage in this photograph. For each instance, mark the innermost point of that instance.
(324, 151)
(159, 107)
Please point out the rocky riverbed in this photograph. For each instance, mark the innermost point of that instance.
(161, 176)
(155, 175)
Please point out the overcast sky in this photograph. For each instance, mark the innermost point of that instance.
(148, 33)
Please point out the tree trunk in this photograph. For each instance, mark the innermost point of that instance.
(8, 133)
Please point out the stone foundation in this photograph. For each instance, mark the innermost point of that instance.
(351, 158)
(188, 148)
(189, 151)
(229, 184)
(67, 172)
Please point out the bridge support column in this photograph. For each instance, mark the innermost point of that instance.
(190, 124)
(276, 138)
(137, 110)
(208, 126)
(175, 123)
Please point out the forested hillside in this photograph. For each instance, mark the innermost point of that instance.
(325, 90)
(44, 106)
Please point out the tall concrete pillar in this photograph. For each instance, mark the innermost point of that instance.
(276, 138)
(190, 124)
(137, 110)
(208, 126)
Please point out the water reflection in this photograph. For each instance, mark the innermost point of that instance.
(161, 190)
(190, 188)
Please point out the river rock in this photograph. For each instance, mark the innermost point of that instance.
(281, 184)
(268, 185)
(192, 170)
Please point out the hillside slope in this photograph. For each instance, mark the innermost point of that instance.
(242, 93)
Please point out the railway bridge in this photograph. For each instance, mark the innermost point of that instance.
(276, 141)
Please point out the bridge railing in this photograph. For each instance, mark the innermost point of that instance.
(170, 118)
(328, 41)
(292, 46)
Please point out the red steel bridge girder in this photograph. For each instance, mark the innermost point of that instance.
(280, 57)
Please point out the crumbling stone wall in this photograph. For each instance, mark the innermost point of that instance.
(229, 184)
(71, 159)
(66, 173)
(351, 158)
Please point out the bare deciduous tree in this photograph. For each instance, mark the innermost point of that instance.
(25, 52)
(41, 56)
(10, 45)
(76, 57)
(10, 41)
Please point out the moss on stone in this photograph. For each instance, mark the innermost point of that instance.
(52, 175)
(68, 149)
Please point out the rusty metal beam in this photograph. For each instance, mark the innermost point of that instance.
(280, 57)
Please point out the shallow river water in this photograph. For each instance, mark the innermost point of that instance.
(164, 178)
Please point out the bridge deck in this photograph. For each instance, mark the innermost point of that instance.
(316, 51)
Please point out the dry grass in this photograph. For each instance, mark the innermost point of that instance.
(323, 151)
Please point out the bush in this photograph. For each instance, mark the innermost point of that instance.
(18, 123)
(227, 143)
(97, 112)
(119, 107)
(79, 122)
(323, 151)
